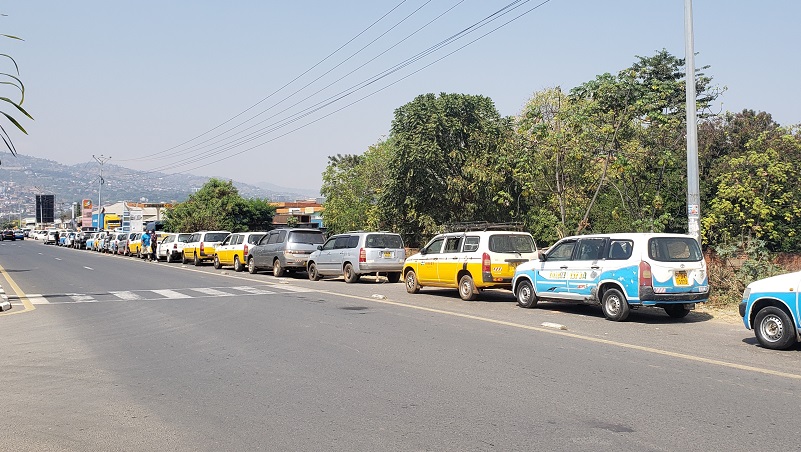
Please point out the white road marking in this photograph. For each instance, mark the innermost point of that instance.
(57, 258)
(253, 290)
(36, 298)
(81, 298)
(297, 289)
(212, 292)
(166, 293)
(89, 268)
(126, 295)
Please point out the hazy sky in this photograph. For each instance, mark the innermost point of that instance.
(141, 81)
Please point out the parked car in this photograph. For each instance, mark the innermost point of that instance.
(770, 307)
(51, 237)
(79, 242)
(283, 250)
(19, 235)
(7, 234)
(470, 261)
(171, 246)
(134, 246)
(200, 246)
(619, 271)
(69, 239)
(358, 253)
(26, 232)
(234, 249)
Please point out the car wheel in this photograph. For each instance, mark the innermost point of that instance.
(525, 294)
(252, 266)
(393, 277)
(615, 306)
(278, 270)
(677, 311)
(313, 274)
(774, 328)
(139, 253)
(169, 258)
(350, 275)
(411, 282)
(237, 264)
(467, 289)
(217, 263)
(184, 260)
(196, 260)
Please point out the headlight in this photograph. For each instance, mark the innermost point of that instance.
(746, 293)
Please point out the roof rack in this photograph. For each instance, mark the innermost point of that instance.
(481, 226)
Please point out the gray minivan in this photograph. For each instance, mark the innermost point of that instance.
(358, 253)
(285, 249)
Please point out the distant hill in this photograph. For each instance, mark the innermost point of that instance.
(21, 175)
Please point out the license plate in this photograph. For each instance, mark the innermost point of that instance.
(386, 254)
(681, 279)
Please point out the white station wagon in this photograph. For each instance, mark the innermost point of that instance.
(619, 271)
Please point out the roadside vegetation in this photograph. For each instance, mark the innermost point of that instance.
(606, 156)
(12, 103)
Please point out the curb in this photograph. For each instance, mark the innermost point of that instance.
(5, 305)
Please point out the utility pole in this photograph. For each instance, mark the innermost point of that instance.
(39, 191)
(693, 190)
(101, 160)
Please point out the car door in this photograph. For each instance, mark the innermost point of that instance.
(586, 267)
(551, 273)
(451, 260)
(427, 269)
(260, 251)
(225, 250)
(325, 260)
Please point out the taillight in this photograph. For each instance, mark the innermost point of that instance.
(362, 255)
(245, 250)
(645, 274)
(175, 246)
(201, 247)
(486, 263)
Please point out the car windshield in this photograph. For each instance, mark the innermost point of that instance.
(383, 241)
(314, 238)
(216, 236)
(674, 249)
(511, 243)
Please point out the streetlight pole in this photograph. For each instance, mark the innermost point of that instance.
(41, 216)
(693, 190)
(101, 160)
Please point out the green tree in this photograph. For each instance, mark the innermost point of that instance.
(218, 206)
(442, 165)
(12, 81)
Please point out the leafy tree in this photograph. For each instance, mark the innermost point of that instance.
(13, 81)
(218, 206)
(442, 166)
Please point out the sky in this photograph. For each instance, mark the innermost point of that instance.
(264, 91)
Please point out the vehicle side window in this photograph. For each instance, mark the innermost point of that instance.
(341, 242)
(435, 247)
(329, 245)
(589, 249)
(353, 242)
(281, 237)
(226, 241)
(620, 249)
(254, 238)
(453, 244)
(272, 238)
(562, 251)
(471, 244)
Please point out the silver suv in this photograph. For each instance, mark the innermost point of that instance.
(284, 250)
(358, 253)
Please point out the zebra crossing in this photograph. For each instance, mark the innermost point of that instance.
(161, 294)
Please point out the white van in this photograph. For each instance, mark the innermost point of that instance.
(50, 237)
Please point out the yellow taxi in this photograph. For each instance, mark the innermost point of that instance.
(201, 246)
(234, 249)
(469, 261)
(134, 246)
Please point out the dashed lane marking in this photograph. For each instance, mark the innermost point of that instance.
(126, 295)
(213, 292)
(167, 293)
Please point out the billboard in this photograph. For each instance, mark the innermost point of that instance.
(86, 213)
(45, 208)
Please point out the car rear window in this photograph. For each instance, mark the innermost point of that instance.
(674, 249)
(383, 241)
(216, 236)
(313, 238)
(511, 243)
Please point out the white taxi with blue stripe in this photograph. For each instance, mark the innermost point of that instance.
(619, 271)
(770, 307)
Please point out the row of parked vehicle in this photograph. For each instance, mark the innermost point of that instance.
(619, 272)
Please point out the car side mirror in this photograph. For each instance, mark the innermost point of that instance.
(423, 251)
(541, 256)
(320, 247)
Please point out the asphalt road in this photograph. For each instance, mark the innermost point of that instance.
(110, 353)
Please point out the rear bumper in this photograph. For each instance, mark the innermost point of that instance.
(368, 267)
(647, 296)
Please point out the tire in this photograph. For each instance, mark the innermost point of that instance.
(313, 274)
(410, 281)
(196, 260)
(252, 266)
(615, 306)
(677, 311)
(217, 264)
(524, 292)
(350, 275)
(278, 270)
(774, 328)
(393, 277)
(169, 257)
(467, 289)
(184, 260)
(238, 267)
